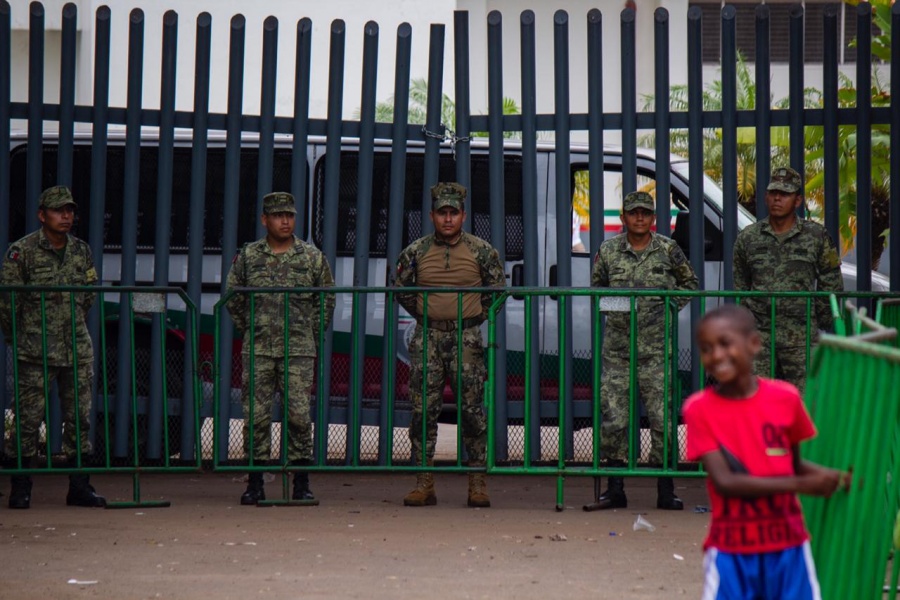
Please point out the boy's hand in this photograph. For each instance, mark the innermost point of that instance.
(822, 482)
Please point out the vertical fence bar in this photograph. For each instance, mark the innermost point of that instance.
(66, 95)
(299, 161)
(629, 101)
(396, 215)
(695, 168)
(363, 234)
(5, 87)
(763, 109)
(462, 148)
(157, 415)
(864, 149)
(596, 193)
(199, 141)
(831, 156)
(795, 94)
(434, 129)
(563, 221)
(662, 93)
(498, 221)
(532, 402)
(729, 142)
(894, 247)
(267, 118)
(330, 222)
(99, 136)
(130, 198)
(35, 151)
(230, 201)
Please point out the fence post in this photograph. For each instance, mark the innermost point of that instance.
(190, 436)
(233, 124)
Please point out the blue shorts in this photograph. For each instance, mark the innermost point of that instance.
(784, 575)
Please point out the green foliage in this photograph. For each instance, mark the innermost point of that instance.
(418, 109)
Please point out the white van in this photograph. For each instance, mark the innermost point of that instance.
(310, 227)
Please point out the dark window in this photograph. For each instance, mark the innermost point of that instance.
(477, 208)
(147, 194)
(779, 30)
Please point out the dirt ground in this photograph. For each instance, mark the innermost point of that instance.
(361, 542)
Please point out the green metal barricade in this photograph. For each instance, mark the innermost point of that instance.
(145, 411)
(851, 395)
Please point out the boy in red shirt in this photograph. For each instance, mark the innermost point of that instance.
(746, 430)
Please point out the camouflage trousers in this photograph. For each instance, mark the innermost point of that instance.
(439, 359)
(31, 407)
(269, 376)
(615, 401)
(790, 360)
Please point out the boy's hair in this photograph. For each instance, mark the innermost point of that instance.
(738, 316)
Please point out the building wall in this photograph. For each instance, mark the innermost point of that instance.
(389, 15)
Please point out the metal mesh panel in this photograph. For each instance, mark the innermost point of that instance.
(147, 193)
(478, 203)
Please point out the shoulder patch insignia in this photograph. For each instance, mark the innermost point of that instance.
(234, 260)
(13, 254)
(91, 274)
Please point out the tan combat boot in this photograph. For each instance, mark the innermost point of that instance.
(424, 494)
(478, 496)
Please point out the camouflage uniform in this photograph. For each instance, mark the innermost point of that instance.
(661, 265)
(256, 266)
(803, 259)
(441, 336)
(32, 260)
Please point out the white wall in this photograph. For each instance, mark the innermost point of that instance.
(389, 15)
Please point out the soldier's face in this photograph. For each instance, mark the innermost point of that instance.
(638, 221)
(279, 226)
(726, 351)
(782, 204)
(448, 222)
(57, 220)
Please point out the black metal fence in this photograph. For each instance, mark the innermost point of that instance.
(187, 198)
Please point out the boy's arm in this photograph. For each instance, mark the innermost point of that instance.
(816, 482)
(807, 467)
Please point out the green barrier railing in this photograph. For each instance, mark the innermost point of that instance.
(543, 403)
(851, 395)
(131, 405)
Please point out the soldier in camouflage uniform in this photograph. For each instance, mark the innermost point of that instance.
(279, 260)
(448, 258)
(638, 258)
(786, 253)
(51, 257)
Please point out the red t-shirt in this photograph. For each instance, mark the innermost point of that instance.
(758, 432)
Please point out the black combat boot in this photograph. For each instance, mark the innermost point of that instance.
(82, 493)
(20, 496)
(301, 484)
(613, 497)
(255, 491)
(665, 495)
(301, 487)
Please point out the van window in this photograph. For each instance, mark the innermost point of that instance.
(147, 191)
(646, 182)
(478, 210)
(612, 197)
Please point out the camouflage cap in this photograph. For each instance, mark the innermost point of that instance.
(785, 179)
(56, 197)
(278, 202)
(635, 200)
(448, 194)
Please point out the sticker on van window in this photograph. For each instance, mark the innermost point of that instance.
(616, 304)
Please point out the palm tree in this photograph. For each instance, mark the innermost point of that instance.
(712, 138)
(418, 109)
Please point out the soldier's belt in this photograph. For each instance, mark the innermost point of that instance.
(451, 325)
